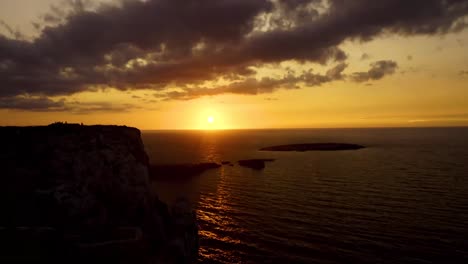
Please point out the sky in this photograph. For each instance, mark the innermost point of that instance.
(234, 64)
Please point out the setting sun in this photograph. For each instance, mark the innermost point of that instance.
(211, 119)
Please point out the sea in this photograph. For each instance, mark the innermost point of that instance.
(402, 199)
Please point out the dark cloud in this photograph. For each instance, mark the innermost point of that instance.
(365, 56)
(44, 104)
(464, 73)
(378, 70)
(155, 43)
(25, 103)
(139, 44)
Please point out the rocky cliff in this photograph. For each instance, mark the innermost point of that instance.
(78, 193)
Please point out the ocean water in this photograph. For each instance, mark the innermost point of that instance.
(404, 199)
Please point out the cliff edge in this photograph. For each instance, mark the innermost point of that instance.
(73, 193)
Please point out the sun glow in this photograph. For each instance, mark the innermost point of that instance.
(210, 119)
(213, 117)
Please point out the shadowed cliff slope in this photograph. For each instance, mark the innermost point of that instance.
(83, 191)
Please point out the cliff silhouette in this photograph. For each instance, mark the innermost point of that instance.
(72, 193)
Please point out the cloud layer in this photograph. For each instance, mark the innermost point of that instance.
(185, 43)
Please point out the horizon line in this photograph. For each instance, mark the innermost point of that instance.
(300, 128)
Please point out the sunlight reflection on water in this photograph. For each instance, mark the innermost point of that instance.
(209, 149)
(402, 200)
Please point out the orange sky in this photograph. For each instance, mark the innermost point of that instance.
(428, 88)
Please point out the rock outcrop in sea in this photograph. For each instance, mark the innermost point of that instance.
(78, 194)
(256, 164)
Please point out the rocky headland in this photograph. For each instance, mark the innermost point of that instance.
(78, 194)
(314, 147)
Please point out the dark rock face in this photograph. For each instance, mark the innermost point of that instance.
(314, 147)
(83, 175)
(180, 171)
(256, 164)
(81, 192)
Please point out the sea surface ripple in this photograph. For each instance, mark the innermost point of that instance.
(401, 200)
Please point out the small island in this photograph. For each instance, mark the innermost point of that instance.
(314, 147)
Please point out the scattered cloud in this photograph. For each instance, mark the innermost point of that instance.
(252, 86)
(155, 44)
(365, 56)
(411, 70)
(12, 32)
(84, 108)
(266, 85)
(422, 118)
(378, 70)
(409, 57)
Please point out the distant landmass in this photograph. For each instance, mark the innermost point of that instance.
(314, 147)
(188, 170)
